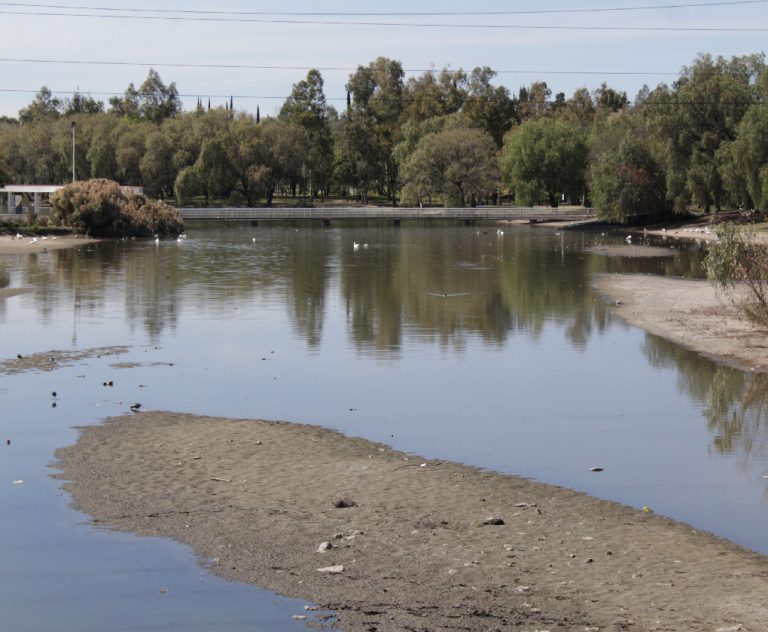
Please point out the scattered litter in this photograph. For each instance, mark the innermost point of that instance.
(221, 480)
(324, 546)
(344, 503)
(492, 521)
(18, 482)
(647, 510)
(299, 617)
(331, 570)
(595, 469)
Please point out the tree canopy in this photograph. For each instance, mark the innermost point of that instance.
(699, 143)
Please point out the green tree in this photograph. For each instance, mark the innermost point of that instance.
(744, 161)
(44, 106)
(489, 107)
(130, 145)
(693, 118)
(457, 164)
(102, 150)
(627, 183)
(81, 104)
(544, 159)
(431, 94)
(156, 166)
(153, 101)
(370, 126)
(579, 110)
(534, 100)
(306, 107)
(738, 266)
(608, 100)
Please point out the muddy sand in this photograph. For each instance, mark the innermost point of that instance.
(689, 313)
(411, 544)
(25, 245)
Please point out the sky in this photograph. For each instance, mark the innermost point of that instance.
(585, 50)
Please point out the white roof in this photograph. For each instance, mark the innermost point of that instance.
(31, 188)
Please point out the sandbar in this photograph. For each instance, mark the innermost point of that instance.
(10, 245)
(412, 544)
(690, 313)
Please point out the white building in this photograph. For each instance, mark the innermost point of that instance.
(11, 201)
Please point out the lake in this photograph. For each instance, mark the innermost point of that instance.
(447, 341)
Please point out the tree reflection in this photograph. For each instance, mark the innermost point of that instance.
(733, 401)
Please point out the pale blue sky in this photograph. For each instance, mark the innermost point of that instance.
(587, 56)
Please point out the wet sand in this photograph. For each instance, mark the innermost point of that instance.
(25, 245)
(52, 360)
(620, 250)
(689, 313)
(414, 544)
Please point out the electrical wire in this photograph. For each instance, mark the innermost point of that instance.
(431, 25)
(320, 68)
(656, 7)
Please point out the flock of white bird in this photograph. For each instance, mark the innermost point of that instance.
(34, 240)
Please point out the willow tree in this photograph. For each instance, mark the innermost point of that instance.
(459, 165)
(544, 159)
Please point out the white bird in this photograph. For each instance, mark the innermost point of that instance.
(365, 245)
(355, 246)
(19, 236)
(157, 239)
(499, 232)
(629, 239)
(253, 240)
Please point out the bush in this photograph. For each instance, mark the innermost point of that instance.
(737, 263)
(103, 208)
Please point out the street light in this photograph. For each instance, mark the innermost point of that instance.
(74, 127)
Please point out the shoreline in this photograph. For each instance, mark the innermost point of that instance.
(411, 543)
(689, 313)
(10, 245)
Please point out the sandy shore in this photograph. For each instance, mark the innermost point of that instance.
(410, 545)
(689, 313)
(25, 245)
(625, 250)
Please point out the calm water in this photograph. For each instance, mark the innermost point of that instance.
(446, 341)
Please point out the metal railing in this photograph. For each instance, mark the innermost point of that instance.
(386, 213)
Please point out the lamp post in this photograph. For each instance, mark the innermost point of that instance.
(74, 127)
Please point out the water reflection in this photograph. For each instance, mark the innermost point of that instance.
(734, 402)
(438, 283)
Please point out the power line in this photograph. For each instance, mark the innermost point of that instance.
(434, 25)
(321, 68)
(391, 13)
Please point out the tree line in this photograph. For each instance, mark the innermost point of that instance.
(443, 137)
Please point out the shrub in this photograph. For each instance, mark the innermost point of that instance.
(103, 208)
(737, 263)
